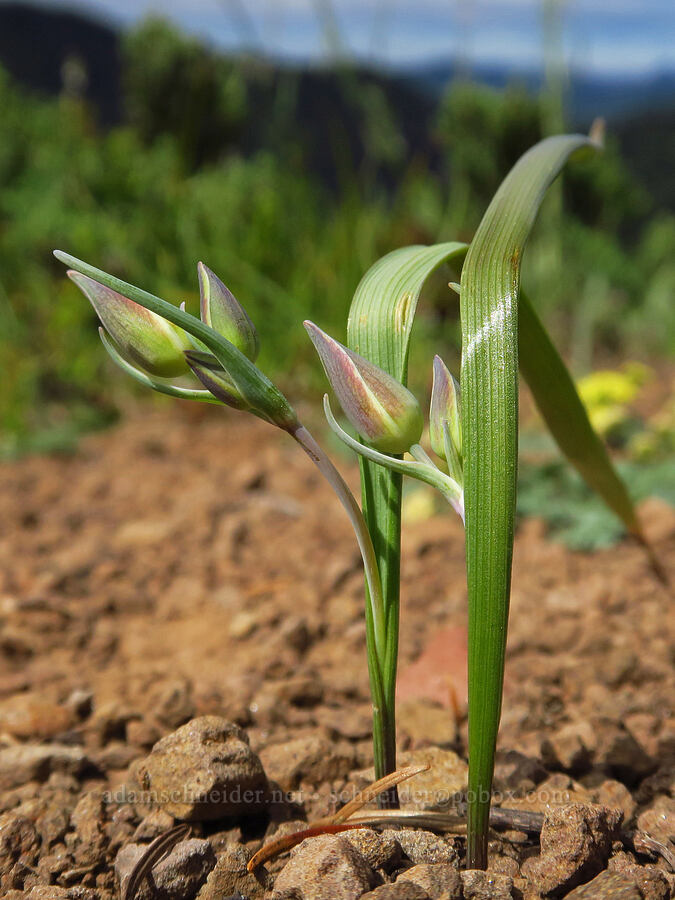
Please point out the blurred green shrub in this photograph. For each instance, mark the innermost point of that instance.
(484, 132)
(174, 85)
(282, 245)
(149, 199)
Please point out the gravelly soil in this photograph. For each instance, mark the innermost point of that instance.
(181, 565)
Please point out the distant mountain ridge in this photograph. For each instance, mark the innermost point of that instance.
(35, 42)
(588, 95)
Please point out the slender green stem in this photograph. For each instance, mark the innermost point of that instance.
(378, 626)
(388, 487)
(348, 501)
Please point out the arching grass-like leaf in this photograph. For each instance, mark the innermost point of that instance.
(560, 405)
(489, 382)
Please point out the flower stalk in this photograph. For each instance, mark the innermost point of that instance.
(348, 501)
(384, 736)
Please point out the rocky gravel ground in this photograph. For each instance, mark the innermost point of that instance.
(182, 641)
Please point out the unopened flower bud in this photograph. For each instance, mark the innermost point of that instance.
(145, 338)
(445, 427)
(214, 378)
(220, 309)
(383, 412)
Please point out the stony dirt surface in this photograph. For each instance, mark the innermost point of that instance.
(187, 579)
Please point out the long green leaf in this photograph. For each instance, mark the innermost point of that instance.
(489, 381)
(559, 403)
(379, 327)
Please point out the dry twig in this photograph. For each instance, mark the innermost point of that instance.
(336, 823)
(155, 852)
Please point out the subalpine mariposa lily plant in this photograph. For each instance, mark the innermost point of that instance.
(473, 424)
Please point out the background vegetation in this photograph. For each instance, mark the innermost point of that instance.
(289, 185)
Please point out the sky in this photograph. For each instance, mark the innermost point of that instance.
(629, 37)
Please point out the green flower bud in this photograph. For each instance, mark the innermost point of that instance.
(143, 337)
(445, 426)
(215, 379)
(383, 412)
(220, 309)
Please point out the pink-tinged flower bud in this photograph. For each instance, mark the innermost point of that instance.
(383, 412)
(445, 427)
(143, 337)
(220, 310)
(215, 379)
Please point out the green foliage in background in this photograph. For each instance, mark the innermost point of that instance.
(613, 399)
(214, 163)
(575, 515)
(175, 86)
(134, 208)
